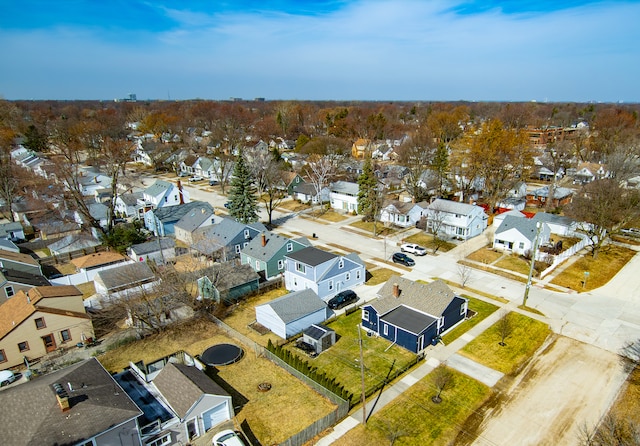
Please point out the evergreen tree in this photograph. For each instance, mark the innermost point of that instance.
(243, 204)
(368, 199)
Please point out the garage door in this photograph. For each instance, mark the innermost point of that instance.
(215, 416)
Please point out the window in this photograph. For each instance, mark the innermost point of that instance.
(289, 247)
(237, 249)
(280, 264)
(341, 264)
(23, 346)
(347, 277)
(246, 233)
(40, 323)
(385, 329)
(521, 245)
(330, 285)
(166, 199)
(300, 267)
(257, 264)
(358, 274)
(3, 357)
(175, 197)
(65, 335)
(365, 315)
(9, 291)
(161, 441)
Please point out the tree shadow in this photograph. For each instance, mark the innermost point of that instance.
(238, 399)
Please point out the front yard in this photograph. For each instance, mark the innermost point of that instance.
(482, 310)
(426, 240)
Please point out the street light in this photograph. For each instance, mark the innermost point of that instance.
(533, 261)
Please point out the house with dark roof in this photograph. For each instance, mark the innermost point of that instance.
(12, 281)
(517, 234)
(126, 280)
(325, 273)
(162, 221)
(39, 321)
(456, 220)
(225, 240)
(289, 315)
(159, 250)
(198, 402)
(19, 262)
(265, 253)
(413, 314)
(199, 217)
(78, 405)
(306, 193)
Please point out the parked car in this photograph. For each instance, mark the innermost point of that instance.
(403, 259)
(227, 437)
(227, 205)
(183, 174)
(7, 377)
(195, 178)
(342, 298)
(413, 249)
(213, 182)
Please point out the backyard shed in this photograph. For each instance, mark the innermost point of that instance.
(319, 336)
(291, 314)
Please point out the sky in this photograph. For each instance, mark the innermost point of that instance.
(371, 50)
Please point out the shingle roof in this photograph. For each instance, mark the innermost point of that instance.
(402, 207)
(5, 228)
(154, 245)
(18, 257)
(97, 259)
(274, 243)
(229, 275)
(297, 305)
(193, 219)
(15, 276)
(431, 298)
(182, 386)
(452, 207)
(409, 319)
(31, 414)
(345, 187)
(311, 256)
(525, 226)
(157, 188)
(175, 213)
(553, 219)
(129, 274)
(131, 199)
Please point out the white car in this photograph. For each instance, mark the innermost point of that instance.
(7, 377)
(195, 178)
(227, 437)
(413, 249)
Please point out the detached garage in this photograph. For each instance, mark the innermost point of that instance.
(290, 314)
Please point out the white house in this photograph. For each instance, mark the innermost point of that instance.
(344, 196)
(162, 194)
(12, 231)
(517, 235)
(124, 281)
(456, 220)
(398, 213)
(291, 314)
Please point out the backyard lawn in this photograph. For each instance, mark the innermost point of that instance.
(272, 416)
(415, 420)
(342, 359)
(482, 309)
(525, 336)
(379, 275)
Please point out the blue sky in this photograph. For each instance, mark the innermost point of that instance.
(564, 50)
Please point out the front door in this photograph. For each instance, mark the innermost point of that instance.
(420, 343)
(49, 342)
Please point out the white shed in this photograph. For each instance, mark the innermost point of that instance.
(290, 314)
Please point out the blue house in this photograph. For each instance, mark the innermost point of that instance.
(412, 314)
(162, 221)
(225, 240)
(325, 273)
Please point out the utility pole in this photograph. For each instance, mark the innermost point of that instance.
(533, 261)
(363, 397)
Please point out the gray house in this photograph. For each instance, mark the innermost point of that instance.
(265, 254)
(199, 217)
(12, 231)
(19, 262)
(159, 250)
(12, 281)
(518, 234)
(225, 240)
(290, 314)
(163, 220)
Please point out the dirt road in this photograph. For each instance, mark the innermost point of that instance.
(567, 384)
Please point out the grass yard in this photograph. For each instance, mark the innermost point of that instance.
(421, 421)
(88, 289)
(601, 269)
(426, 240)
(293, 206)
(272, 415)
(484, 255)
(482, 308)
(342, 359)
(381, 230)
(627, 405)
(379, 275)
(515, 263)
(527, 335)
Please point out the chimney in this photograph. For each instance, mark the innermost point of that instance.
(180, 193)
(396, 290)
(62, 397)
(264, 239)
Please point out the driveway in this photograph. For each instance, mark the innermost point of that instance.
(566, 385)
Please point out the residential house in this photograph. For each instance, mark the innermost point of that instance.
(98, 211)
(306, 193)
(12, 281)
(129, 205)
(40, 321)
(265, 254)
(588, 172)
(517, 235)
(52, 224)
(225, 240)
(325, 273)
(161, 222)
(199, 217)
(78, 405)
(8, 245)
(12, 231)
(456, 220)
(288, 315)
(203, 167)
(397, 213)
(73, 243)
(123, 281)
(164, 194)
(290, 181)
(160, 251)
(198, 402)
(19, 262)
(558, 224)
(344, 196)
(228, 282)
(418, 213)
(412, 314)
(97, 260)
(516, 198)
(499, 218)
(539, 197)
(361, 148)
(91, 180)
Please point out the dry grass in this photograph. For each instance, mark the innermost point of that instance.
(514, 263)
(627, 406)
(601, 269)
(381, 230)
(328, 215)
(272, 416)
(293, 206)
(426, 240)
(484, 255)
(379, 275)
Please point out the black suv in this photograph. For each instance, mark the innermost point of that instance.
(404, 259)
(341, 299)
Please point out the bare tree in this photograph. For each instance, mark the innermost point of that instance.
(611, 431)
(505, 327)
(394, 431)
(464, 271)
(435, 222)
(442, 379)
(321, 170)
(631, 354)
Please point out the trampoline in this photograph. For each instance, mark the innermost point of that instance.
(222, 354)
